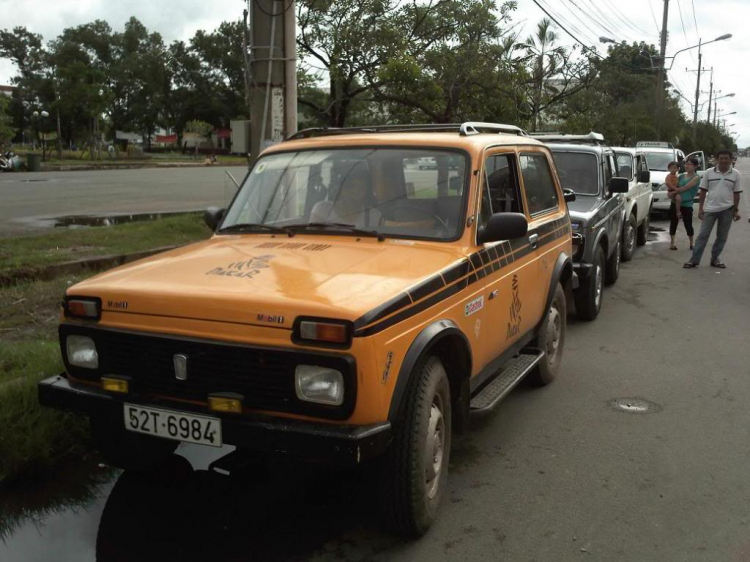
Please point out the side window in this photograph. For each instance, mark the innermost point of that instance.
(625, 165)
(608, 170)
(541, 194)
(500, 193)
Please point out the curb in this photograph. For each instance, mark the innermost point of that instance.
(89, 264)
(86, 167)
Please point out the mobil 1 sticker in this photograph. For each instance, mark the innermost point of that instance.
(474, 306)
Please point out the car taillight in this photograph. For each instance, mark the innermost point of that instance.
(83, 307)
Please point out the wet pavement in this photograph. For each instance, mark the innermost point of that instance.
(639, 451)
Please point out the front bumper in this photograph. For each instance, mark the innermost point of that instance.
(583, 270)
(337, 443)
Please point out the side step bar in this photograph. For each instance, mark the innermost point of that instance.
(506, 379)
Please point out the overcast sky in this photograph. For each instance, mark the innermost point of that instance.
(629, 21)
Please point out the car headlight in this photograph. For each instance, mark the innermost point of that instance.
(319, 384)
(82, 352)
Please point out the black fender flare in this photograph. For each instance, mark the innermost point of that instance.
(598, 240)
(563, 267)
(417, 353)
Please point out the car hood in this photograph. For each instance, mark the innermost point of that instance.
(257, 279)
(658, 177)
(582, 207)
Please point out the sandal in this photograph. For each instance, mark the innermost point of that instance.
(690, 265)
(673, 247)
(718, 264)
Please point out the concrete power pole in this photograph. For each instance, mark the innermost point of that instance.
(710, 95)
(697, 90)
(273, 105)
(661, 70)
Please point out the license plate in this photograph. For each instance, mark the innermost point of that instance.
(179, 426)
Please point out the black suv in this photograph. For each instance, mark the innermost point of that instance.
(587, 166)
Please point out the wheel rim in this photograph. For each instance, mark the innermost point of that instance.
(598, 286)
(630, 237)
(554, 329)
(435, 447)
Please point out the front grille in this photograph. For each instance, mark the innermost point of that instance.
(265, 377)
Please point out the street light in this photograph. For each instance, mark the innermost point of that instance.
(604, 39)
(699, 45)
(36, 117)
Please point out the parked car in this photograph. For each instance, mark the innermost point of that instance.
(332, 315)
(632, 166)
(587, 166)
(658, 155)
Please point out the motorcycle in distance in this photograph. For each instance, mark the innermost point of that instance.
(10, 161)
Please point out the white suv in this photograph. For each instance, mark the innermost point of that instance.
(632, 165)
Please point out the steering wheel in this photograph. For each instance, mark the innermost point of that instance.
(425, 212)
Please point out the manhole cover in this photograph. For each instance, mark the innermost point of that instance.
(634, 405)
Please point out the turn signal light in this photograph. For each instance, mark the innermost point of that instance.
(112, 384)
(83, 308)
(326, 332)
(226, 404)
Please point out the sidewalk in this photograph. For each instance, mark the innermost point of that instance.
(47, 167)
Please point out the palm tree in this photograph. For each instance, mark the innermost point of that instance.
(547, 61)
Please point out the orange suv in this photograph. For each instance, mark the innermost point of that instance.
(350, 306)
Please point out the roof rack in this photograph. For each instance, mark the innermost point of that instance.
(591, 138)
(464, 129)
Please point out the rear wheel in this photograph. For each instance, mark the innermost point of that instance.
(628, 238)
(415, 468)
(613, 266)
(589, 295)
(643, 230)
(551, 340)
(127, 450)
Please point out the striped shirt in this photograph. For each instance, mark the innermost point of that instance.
(720, 188)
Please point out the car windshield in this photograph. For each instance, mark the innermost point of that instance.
(578, 171)
(659, 160)
(387, 191)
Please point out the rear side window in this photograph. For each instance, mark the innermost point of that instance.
(541, 195)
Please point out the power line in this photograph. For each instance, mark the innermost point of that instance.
(551, 13)
(653, 15)
(600, 13)
(626, 20)
(682, 23)
(595, 22)
(695, 19)
(581, 43)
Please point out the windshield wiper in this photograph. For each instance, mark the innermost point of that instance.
(250, 226)
(341, 226)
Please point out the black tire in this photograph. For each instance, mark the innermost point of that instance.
(590, 292)
(127, 450)
(551, 340)
(613, 266)
(628, 238)
(642, 236)
(410, 490)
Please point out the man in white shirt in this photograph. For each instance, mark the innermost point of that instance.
(719, 203)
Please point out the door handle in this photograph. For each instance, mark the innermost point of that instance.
(534, 240)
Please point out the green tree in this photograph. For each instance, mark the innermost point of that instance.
(7, 131)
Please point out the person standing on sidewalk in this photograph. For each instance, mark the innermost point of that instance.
(684, 192)
(719, 203)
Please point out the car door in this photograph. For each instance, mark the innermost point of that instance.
(509, 297)
(700, 156)
(614, 204)
(644, 192)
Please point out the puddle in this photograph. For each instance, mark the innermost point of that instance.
(634, 405)
(84, 221)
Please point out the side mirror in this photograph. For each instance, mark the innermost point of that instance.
(504, 226)
(619, 185)
(569, 195)
(212, 217)
(644, 176)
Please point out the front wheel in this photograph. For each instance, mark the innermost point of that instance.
(414, 472)
(643, 230)
(613, 266)
(628, 238)
(551, 340)
(588, 296)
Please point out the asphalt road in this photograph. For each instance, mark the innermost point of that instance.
(555, 474)
(26, 198)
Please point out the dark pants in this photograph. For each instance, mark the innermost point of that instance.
(687, 219)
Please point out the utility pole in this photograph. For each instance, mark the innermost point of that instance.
(710, 95)
(661, 70)
(273, 105)
(697, 89)
(716, 111)
(246, 59)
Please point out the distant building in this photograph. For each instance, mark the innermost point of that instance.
(7, 90)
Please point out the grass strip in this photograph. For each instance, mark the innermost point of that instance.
(59, 246)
